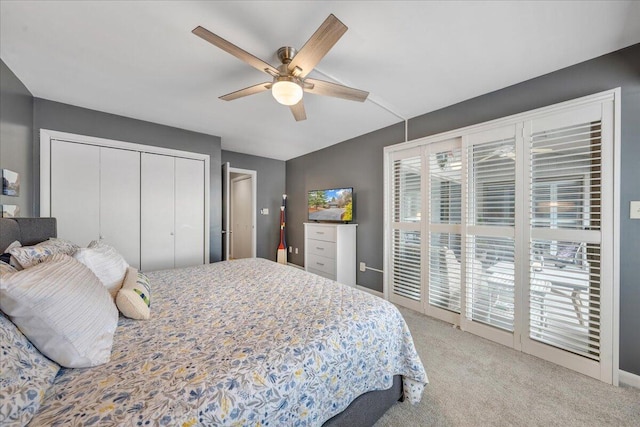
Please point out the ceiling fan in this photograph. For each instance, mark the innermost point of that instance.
(290, 78)
(508, 151)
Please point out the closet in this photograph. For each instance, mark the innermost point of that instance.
(150, 203)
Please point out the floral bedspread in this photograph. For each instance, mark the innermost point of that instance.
(245, 342)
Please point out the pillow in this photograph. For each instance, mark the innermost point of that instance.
(6, 268)
(10, 259)
(25, 375)
(29, 256)
(134, 299)
(63, 246)
(64, 310)
(106, 263)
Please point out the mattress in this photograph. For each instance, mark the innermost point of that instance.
(244, 342)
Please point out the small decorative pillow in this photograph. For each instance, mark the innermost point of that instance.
(29, 256)
(25, 375)
(106, 263)
(64, 310)
(134, 299)
(62, 246)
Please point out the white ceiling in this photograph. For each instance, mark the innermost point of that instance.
(139, 59)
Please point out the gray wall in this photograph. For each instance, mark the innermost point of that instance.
(68, 118)
(16, 129)
(618, 69)
(270, 188)
(355, 163)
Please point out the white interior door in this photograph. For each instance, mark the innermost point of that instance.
(242, 224)
(75, 177)
(120, 202)
(189, 212)
(157, 212)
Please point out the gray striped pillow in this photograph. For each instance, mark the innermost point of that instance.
(64, 310)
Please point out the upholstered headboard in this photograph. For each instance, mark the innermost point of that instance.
(28, 231)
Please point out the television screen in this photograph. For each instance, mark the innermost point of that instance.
(335, 204)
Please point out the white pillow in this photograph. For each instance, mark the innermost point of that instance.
(134, 298)
(106, 263)
(64, 310)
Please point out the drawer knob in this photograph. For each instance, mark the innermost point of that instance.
(319, 263)
(319, 248)
(319, 232)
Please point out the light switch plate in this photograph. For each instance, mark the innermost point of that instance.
(634, 210)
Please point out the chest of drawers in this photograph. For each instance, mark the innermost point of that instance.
(330, 251)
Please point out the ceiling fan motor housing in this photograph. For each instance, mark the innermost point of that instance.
(286, 54)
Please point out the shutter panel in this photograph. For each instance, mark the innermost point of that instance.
(445, 204)
(565, 216)
(490, 230)
(406, 212)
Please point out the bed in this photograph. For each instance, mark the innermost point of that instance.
(244, 342)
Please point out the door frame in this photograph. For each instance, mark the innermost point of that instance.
(227, 170)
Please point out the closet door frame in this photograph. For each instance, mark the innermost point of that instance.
(47, 135)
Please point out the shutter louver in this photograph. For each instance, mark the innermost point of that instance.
(407, 273)
(490, 280)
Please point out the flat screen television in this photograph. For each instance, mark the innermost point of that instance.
(331, 205)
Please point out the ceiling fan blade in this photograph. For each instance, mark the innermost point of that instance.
(321, 87)
(234, 50)
(251, 90)
(298, 111)
(317, 46)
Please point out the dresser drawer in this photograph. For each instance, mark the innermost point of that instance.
(319, 232)
(322, 248)
(321, 263)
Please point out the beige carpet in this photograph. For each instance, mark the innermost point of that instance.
(475, 382)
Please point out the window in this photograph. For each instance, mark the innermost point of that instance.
(506, 229)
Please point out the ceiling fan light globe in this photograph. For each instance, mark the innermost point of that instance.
(286, 92)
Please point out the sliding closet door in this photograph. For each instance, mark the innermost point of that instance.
(189, 212)
(120, 202)
(157, 214)
(75, 199)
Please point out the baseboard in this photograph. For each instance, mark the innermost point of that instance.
(371, 291)
(628, 379)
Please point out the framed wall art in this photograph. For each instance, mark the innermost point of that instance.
(10, 183)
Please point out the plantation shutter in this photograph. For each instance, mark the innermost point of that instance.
(490, 227)
(444, 164)
(406, 239)
(565, 212)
